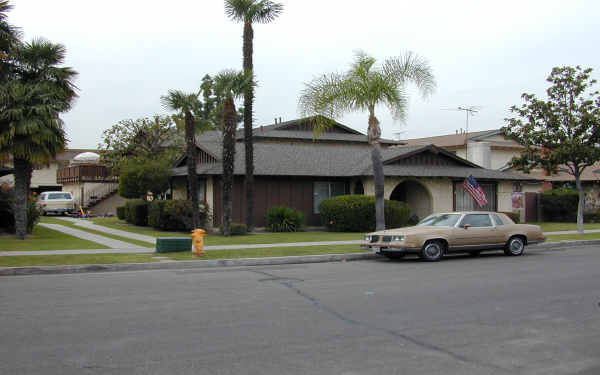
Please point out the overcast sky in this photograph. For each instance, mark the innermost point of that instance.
(130, 52)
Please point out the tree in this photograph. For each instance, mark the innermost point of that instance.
(249, 12)
(362, 88)
(9, 39)
(36, 92)
(138, 176)
(561, 132)
(232, 84)
(153, 139)
(188, 106)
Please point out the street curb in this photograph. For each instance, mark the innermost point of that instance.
(241, 262)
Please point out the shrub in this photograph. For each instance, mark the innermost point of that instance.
(356, 213)
(136, 212)
(7, 219)
(284, 219)
(514, 216)
(237, 229)
(591, 217)
(121, 212)
(174, 215)
(560, 204)
(33, 215)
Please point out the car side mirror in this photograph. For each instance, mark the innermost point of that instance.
(467, 226)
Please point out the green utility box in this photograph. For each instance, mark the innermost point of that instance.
(172, 244)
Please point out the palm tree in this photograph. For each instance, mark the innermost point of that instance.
(232, 84)
(37, 90)
(362, 88)
(188, 106)
(249, 12)
(9, 39)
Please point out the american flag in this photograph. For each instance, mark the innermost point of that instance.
(475, 190)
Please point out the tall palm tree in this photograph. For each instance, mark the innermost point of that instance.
(9, 39)
(37, 90)
(232, 84)
(188, 106)
(249, 12)
(362, 88)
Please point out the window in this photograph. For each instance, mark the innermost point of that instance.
(464, 202)
(324, 190)
(59, 196)
(446, 220)
(497, 220)
(476, 221)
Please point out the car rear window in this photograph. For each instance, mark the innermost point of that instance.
(59, 196)
(477, 220)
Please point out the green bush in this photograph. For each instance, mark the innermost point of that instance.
(174, 215)
(591, 217)
(237, 229)
(284, 219)
(121, 212)
(33, 215)
(356, 213)
(514, 216)
(560, 205)
(7, 219)
(136, 212)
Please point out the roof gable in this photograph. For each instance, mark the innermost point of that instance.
(308, 124)
(429, 155)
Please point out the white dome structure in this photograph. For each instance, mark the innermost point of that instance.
(86, 158)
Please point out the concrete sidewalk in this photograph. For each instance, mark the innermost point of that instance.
(112, 243)
(101, 228)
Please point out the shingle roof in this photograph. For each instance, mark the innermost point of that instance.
(448, 140)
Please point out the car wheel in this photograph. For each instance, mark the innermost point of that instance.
(394, 255)
(432, 251)
(515, 246)
(474, 254)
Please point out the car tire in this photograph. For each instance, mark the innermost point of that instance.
(394, 255)
(515, 246)
(432, 251)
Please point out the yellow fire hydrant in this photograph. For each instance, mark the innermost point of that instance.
(198, 242)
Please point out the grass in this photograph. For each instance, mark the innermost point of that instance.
(266, 252)
(212, 239)
(557, 227)
(51, 220)
(54, 260)
(46, 239)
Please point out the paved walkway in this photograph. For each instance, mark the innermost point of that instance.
(121, 247)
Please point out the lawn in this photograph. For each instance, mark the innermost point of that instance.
(46, 239)
(573, 237)
(54, 260)
(261, 238)
(51, 220)
(557, 227)
(266, 252)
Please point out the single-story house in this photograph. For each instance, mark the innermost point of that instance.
(295, 168)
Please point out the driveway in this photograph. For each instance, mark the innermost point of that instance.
(536, 314)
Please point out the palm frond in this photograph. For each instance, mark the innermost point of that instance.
(253, 11)
(411, 68)
(234, 82)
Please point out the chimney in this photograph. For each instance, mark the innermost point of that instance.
(480, 153)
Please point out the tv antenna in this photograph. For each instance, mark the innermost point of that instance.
(469, 111)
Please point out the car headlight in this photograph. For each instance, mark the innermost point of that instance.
(397, 238)
(368, 238)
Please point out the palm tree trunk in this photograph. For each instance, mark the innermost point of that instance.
(374, 133)
(248, 103)
(22, 171)
(229, 121)
(191, 168)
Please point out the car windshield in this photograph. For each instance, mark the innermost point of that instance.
(446, 220)
(59, 196)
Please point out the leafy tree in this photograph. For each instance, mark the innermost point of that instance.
(249, 12)
(561, 132)
(362, 88)
(36, 91)
(138, 176)
(156, 138)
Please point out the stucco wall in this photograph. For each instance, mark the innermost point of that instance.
(39, 177)
(179, 188)
(179, 185)
(501, 157)
(504, 192)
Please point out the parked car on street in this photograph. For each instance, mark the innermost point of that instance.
(455, 232)
(56, 202)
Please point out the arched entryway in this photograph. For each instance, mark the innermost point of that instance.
(416, 195)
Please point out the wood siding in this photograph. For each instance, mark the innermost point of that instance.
(84, 173)
(428, 158)
(294, 192)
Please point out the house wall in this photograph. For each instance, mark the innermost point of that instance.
(39, 177)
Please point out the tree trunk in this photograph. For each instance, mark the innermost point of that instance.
(22, 171)
(374, 134)
(249, 148)
(581, 203)
(229, 122)
(191, 167)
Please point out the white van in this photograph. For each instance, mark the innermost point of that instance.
(57, 202)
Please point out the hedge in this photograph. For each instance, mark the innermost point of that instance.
(7, 219)
(174, 215)
(121, 212)
(284, 219)
(356, 213)
(560, 204)
(514, 216)
(136, 212)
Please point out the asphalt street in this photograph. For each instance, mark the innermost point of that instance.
(536, 314)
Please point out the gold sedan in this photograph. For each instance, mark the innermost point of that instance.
(455, 232)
